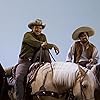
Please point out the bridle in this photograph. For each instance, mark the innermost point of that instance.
(82, 89)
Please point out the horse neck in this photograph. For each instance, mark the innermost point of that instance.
(64, 74)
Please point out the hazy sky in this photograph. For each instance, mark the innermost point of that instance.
(62, 17)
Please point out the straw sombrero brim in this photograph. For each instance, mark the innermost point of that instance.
(30, 25)
(82, 29)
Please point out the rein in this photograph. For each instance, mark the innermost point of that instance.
(81, 80)
(51, 56)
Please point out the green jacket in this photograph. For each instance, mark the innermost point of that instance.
(32, 43)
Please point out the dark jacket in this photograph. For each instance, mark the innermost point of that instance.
(78, 51)
(31, 44)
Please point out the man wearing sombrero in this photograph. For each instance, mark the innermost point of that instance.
(34, 47)
(82, 51)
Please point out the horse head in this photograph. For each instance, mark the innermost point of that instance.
(85, 84)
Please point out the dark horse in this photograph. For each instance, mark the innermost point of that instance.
(97, 74)
(3, 85)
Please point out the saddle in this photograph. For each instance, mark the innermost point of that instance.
(33, 69)
(30, 77)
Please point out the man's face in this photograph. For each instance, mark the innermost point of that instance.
(83, 36)
(37, 30)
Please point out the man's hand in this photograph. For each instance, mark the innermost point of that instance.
(56, 49)
(90, 64)
(44, 45)
(91, 61)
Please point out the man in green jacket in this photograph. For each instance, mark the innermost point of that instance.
(34, 45)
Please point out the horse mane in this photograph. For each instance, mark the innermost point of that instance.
(65, 73)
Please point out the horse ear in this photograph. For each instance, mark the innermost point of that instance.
(81, 70)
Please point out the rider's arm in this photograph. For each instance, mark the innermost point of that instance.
(30, 40)
(95, 56)
(70, 53)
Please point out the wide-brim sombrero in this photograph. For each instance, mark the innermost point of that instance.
(75, 35)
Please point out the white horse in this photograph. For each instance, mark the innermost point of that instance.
(63, 81)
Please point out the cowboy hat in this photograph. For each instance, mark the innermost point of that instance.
(75, 35)
(37, 22)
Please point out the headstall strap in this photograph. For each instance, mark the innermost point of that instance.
(81, 80)
(46, 93)
(68, 94)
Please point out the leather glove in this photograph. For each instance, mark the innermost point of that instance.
(56, 49)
